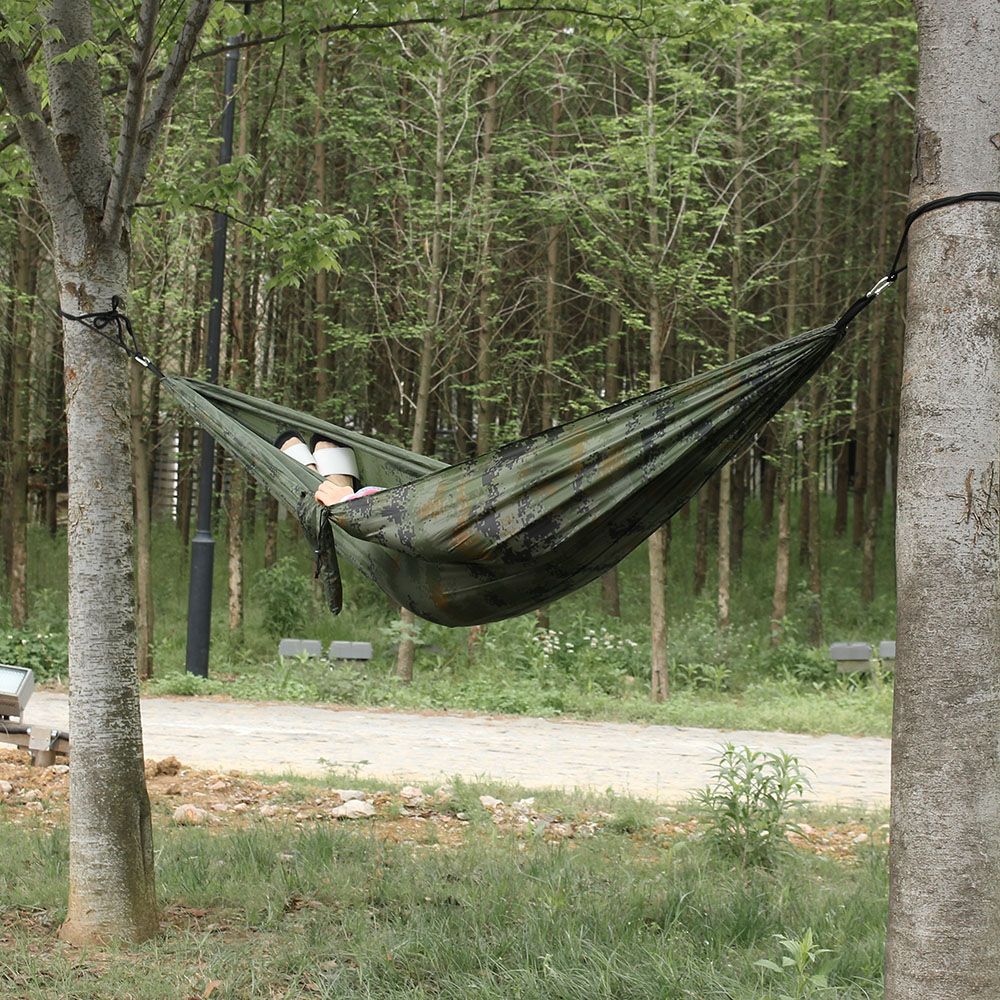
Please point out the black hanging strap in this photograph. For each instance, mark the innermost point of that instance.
(123, 337)
(896, 270)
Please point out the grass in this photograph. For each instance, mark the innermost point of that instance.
(338, 911)
(588, 666)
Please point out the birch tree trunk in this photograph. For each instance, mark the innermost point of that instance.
(88, 195)
(944, 897)
(111, 846)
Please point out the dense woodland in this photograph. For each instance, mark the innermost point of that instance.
(454, 235)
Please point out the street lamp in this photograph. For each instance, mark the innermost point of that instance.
(203, 545)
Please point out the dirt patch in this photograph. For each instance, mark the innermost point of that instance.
(181, 795)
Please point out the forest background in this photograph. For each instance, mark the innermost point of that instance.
(453, 236)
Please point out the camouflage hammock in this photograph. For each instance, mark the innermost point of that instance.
(496, 536)
(499, 535)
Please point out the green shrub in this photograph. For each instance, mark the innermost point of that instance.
(45, 653)
(287, 598)
(745, 807)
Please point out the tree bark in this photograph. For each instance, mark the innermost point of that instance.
(779, 600)
(658, 544)
(88, 195)
(111, 846)
(735, 301)
(407, 650)
(610, 591)
(944, 896)
(15, 499)
(143, 530)
(485, 403)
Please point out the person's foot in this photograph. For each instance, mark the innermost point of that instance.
(337, 486)
(335, 463)
(292, 445)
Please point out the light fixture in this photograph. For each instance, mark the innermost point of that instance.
(16, 687)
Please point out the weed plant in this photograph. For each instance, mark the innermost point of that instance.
(747, 804)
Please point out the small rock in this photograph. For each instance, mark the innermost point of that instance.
(36, 806)
(464, 817)
(6, 788)
(489, 803)
(190, 815)
(174, 789)
(806, 830)
(240, 807)
(861, 838)
(31, 795)
(353, 809)
(411, 796)
(59, 768)
(168, 766)
(270, 809)
(348, 794)
(524, 806)
(218, 786)
(219, 807)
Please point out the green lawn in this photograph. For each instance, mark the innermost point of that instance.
(329, 910)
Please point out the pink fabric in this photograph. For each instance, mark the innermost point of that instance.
(365, 491)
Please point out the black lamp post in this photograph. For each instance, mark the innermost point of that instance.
(203, 545)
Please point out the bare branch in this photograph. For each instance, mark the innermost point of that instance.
(142, 51)
(163, 99)
(24, 103)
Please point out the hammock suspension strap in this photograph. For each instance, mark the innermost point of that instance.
(123, 337)
(896, 270)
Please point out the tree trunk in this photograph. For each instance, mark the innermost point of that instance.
(407, 650)
(842, 476)
(610, 590)
(659, 541)
(768, 475)
(111, 846)
(779, 601)
(735, 301)
(55, 438)
(15, 500)
(485, 403)
(553, 236)
(321, 340)
(143, 530)
(944, 894)
(860, 457)
(701, 527)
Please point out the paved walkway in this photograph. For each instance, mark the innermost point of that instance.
(665, 763)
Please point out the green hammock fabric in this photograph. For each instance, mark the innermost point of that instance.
(494, 537)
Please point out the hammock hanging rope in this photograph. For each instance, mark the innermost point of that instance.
(496, 536)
